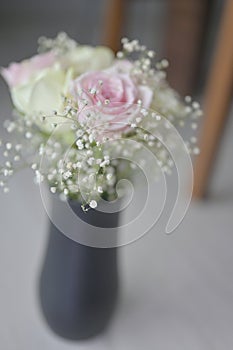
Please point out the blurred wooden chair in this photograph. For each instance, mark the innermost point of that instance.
(113, 23)
(185, 23)
(217, 101)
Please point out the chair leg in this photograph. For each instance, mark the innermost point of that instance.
(114, 16)
(184, 30)
(217, 101)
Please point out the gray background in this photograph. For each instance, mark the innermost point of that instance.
(176, 291)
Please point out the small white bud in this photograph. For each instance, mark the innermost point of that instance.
(144, 112)
(16, 158)
(151, 54)
(34, 166)
(196, 151)
(53, 189)
(100, 190)
(65, 191)
(196, 105)
(188, 99)
(79, 165)
(80, 145)
(8, 145)
(18, 147)
(93, 204)
(28, 135)
(164, 63)
(193, 139)
(119, 54)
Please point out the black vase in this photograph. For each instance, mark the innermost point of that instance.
(79, 284)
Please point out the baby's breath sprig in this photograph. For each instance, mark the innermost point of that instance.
(60, 45)
(84, 156)
(150, 73)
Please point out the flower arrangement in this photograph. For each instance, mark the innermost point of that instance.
(78, 105)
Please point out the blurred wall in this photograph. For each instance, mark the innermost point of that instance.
(23, 21)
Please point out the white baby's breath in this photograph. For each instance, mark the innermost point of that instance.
(93, 204)
(84, 162)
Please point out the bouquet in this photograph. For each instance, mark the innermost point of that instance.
(89, 114)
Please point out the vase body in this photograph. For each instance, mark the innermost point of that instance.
(79, 284)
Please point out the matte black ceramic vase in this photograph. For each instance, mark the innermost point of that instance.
(79, 284)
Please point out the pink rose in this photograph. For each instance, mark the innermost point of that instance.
(19, 73)
(113, 94)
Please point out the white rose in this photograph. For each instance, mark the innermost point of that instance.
(43, 92)
(87, 58)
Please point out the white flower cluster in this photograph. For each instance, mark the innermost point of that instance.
(82, 161)
(61, 44)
